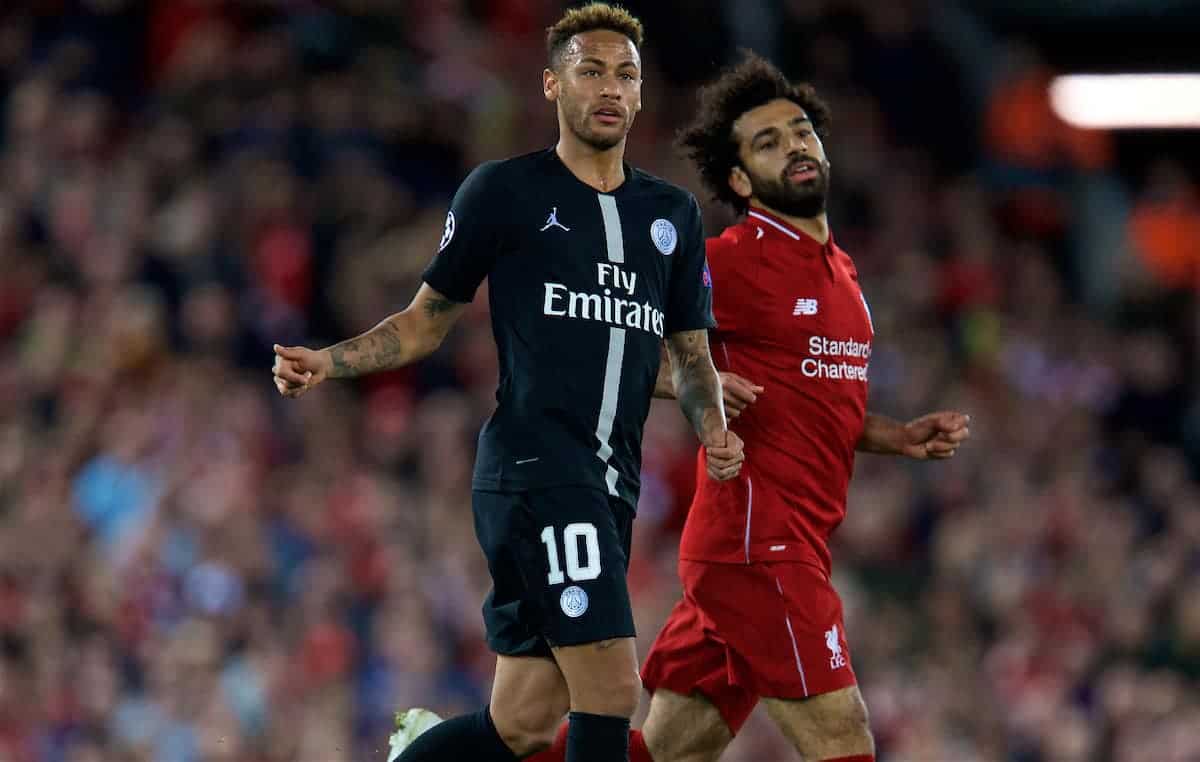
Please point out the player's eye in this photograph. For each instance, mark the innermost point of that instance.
(627, 76)
(767, 145)
(591, 73)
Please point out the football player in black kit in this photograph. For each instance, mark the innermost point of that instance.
(591, 264)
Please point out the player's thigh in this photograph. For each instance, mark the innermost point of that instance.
(829, 724)
(513, 612)
(585, 538)
(529, 700)
(694, 670)
(602, 677)
(684, 728)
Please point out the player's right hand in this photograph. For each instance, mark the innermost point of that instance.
(725, 461)
(299, 369)
(739, 393)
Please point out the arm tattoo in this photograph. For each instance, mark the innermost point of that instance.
(377, 349)
(697, 385)
(664, 386)
(437, 305)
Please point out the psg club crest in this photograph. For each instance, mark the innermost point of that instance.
(706, 276)
(574, 601)
(663, 233)
(448, 233)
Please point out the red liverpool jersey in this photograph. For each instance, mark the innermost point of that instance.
(791, 318)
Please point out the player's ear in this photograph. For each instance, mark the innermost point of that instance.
(550, 84)
(739, 182)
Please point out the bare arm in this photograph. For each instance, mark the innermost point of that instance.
(399, 339)
(737, 391)
(664, 386)
(881, 435)
(697, 385)
(936, 435)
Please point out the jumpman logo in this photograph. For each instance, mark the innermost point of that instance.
(552, 221)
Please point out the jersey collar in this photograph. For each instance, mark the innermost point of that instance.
(566, 171)
(761, 216)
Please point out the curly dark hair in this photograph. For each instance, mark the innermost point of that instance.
(589, 18)
(709, 140)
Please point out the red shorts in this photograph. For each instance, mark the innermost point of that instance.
(744, 632)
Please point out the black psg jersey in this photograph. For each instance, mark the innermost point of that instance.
(583, 287)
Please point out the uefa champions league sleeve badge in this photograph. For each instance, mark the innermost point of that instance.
(447, 232)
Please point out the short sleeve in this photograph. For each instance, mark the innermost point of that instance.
(690, 302)
(472, 237)
(729, 279)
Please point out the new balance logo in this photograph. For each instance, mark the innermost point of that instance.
(837, 659)
(805, 307)
(552, 222)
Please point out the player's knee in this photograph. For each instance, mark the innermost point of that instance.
(530, 726)
(624, 693)
(613, 695)
(630, 694)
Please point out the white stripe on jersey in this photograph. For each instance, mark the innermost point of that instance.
(772, 223)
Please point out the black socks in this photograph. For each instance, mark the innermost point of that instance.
(468, 737)
(597, 738)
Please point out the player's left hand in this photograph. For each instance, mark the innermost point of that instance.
(739, 393)
(935, 436)
(725, 461)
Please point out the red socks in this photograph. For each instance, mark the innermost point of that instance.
(637, 749)
(639, 753)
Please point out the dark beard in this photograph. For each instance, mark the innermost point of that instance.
(599, 142)
(579, 128)
(806, 200)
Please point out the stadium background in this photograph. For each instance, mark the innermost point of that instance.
(193, 569)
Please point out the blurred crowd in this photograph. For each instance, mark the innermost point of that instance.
(194, 569)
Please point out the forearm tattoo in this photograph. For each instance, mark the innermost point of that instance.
(437, 305)
(697, 385)
(378, 349)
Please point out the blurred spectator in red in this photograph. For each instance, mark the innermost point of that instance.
(1164, 228)
(1033, 150)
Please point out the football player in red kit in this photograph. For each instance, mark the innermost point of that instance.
(759, 619)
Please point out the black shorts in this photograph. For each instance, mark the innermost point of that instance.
(558, 558)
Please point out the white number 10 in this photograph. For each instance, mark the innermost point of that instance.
(571, 535)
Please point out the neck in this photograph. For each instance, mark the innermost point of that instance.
(603, 170)
(816, 227)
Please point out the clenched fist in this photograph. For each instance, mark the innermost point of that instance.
(935, 436)
(725, 459)
(299, 369)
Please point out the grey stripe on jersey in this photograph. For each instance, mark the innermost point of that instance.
(612, 229)
(608, 406)
(616, 346)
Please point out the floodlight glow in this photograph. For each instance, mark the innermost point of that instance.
(1128, 101)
